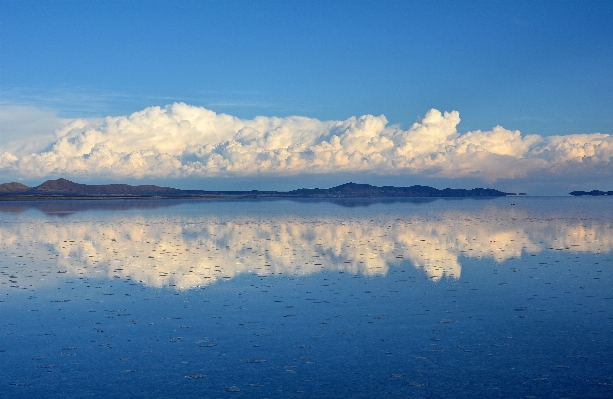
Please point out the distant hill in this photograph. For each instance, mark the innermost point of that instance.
(593, 193)
(63, 187)
(13, 188)
(354, 190)
(66, 188)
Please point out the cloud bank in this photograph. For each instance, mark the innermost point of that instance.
(180, 141)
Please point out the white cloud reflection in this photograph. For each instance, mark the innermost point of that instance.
(187, 252)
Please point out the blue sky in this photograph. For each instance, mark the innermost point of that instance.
(543, 68)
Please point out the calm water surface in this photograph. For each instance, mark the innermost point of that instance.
(507, 297)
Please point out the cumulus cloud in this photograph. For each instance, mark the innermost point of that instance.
(181, 140)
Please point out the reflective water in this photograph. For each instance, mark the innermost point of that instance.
(508, 297)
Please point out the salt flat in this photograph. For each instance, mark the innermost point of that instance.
(502, 297)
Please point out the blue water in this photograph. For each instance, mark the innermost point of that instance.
(497, 298)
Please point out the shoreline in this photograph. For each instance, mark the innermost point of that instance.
(10, 198)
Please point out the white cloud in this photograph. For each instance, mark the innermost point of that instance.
(180, 141)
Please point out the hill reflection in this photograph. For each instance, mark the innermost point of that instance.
(186, 252)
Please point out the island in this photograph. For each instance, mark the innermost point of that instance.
(66, 189)
(592, 193)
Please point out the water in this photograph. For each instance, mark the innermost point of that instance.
(507, 297)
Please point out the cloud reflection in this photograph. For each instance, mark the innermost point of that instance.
(187, 252)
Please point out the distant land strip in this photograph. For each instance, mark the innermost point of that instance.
(593, 193)
(66, 189)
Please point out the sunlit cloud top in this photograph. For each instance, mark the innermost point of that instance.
(181, 141)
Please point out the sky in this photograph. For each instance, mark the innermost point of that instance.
(514, 95)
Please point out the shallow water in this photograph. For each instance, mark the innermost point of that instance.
(507, 297)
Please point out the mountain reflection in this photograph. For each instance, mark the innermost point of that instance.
(186, 252)
(67, 207)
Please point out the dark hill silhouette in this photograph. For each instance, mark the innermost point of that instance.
(353, 190)
(13, 188)
(63, 186)
(592, 193)
(66, 188)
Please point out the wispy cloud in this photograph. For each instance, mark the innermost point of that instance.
(72, 100)
(85, 101)
(180, 140)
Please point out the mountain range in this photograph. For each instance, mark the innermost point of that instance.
(592, 193)
(66, 188)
